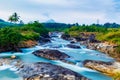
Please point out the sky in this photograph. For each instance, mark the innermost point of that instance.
(63, 11)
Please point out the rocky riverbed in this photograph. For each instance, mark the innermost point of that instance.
(47, 71)
(105, 47)
(9, 61)
(108, 68)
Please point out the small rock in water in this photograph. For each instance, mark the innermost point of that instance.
(73, 46)
(13, 56)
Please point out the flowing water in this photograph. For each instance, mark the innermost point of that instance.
(8, 72)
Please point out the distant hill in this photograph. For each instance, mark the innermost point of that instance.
(5, 23)
(50, 21)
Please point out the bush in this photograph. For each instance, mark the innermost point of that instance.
(9, 37)
(30, 35)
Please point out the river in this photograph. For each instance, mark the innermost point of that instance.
(8, 72)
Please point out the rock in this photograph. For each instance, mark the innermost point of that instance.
(45, 35)
(104, 67)
(73, 46)
(72, 42)
(47, 71)
(66, 37)
(105, 47)
(17, 49)
(80, 39)
(43, 40)
(98, 62)
(51, 54)
(13, 57)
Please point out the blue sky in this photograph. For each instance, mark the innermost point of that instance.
(67, 11)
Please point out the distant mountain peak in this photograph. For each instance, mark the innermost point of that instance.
(50, 21)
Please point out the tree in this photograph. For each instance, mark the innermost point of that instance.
(14, 18)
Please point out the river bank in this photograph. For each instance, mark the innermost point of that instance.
(90, 42)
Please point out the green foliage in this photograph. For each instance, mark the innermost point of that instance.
(111, 36)
(75, 30)
(36, 27)
(117, 77)
(9, 37)
(30, 35)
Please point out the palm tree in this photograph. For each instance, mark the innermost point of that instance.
(14, 18)
(10, 19)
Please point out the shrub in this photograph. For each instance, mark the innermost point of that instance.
(9, 37)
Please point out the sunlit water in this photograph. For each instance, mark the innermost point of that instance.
(8, 72)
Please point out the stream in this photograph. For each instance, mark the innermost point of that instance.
(8, 72)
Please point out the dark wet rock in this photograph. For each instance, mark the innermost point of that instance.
(66, 36)
(97, 62)
(45, 35)
(43, 40)
(47, 71)
(10, 48)
(73, 46)
(72, 42)
(80, 39)
(17, 49)
(51, 54)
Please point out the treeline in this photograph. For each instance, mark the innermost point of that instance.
(57, 26)
(77, 30)
(10, 37)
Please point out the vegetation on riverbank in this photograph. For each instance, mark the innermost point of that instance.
(12, 37)
(112, 37)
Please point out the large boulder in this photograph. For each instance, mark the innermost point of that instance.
(73, 46)
(47, 71)
(66, 36)
(51, 54)
(45, 35)
(43, 40)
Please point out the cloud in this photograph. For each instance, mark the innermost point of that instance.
(68, 11)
